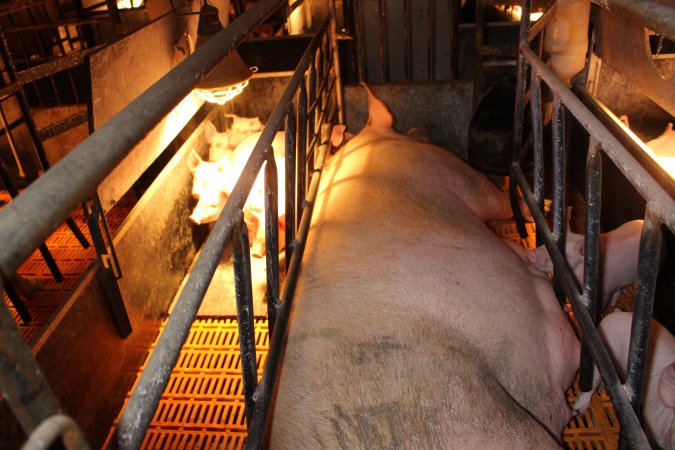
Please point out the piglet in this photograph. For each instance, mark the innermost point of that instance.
(658, 393)
(619, 251)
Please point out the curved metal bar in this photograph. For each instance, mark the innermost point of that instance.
(53, 428)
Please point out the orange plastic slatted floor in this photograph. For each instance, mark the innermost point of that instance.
(203, 404)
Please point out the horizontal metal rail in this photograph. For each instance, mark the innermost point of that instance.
(657, 17)
(144, 399)
(660, 211)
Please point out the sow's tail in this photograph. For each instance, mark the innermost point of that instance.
(378, 113)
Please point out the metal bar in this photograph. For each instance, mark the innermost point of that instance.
(591, 253)
(627, 418)
(291, 140)
(537, 143)
(56, 428)
(657, 17)
(540, 24)
(302, 149)
(559, 186)
(62, 126)
(272, 238)
(361, 48)
(663, 206)
(277, 343)
(431, 42)
(334, 57)
(519, 117)
(382, 28)
(18, 303)
(647, 271)
(453, 8)
(145, 397)
(407, 40)
(22, 383)
(10, 140)
(241, 259)
(108, 267)
(49, 199)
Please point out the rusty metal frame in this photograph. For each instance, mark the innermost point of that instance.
(660, 211)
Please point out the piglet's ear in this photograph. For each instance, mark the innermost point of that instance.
(209, 131)
(193, 160)
(667, 386)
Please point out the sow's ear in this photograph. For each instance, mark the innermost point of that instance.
(193, 160)
(667, 386)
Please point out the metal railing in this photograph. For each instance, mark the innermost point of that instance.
(660, 211)
(315, 86)
(28, 220)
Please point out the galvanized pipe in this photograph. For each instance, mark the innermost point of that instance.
(591, 253)
(241, 260)
(559, 174)
(272, 238)
(647, 271)
(291, 154)
(627, 418)
(277, 343)
(49, 200)
(657, 17)
(519, 118)
(663, 206)
(53, 428)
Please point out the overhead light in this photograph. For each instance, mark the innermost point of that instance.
(231, 75)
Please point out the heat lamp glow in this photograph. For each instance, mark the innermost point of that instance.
(222, 96)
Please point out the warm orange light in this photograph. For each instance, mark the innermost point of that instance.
(221, 96)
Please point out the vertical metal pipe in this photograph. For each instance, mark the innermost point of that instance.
(591, 253)
(384, 48)
(291, 139)
(559, 166)
(302, 149)
(241, 259)
(647, 271)
(431, 41)
(407, 40)
(335, 58)
(272, 238)
(538, 145)
(519, 117)
(453, 7)
(360, 46)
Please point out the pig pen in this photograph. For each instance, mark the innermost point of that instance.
(167, 346)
